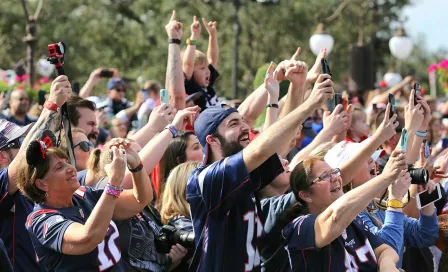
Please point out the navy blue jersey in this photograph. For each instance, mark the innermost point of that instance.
(352, 251)
(47, 226)
(13, 212)
(224, 211)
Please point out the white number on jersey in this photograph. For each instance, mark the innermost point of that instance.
(253, 224)
(362, 254)
(111, 246)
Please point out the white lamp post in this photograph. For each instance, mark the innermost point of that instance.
(392, 79)
(400, 45)
(320, 40)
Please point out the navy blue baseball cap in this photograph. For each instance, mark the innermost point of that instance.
(114, 82)
(207, 123)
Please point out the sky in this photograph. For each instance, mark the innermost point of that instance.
(428, 17)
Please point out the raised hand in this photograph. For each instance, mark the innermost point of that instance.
(116, 169)
(271, 84)
(161, 116)
(322, 91)
(315, 71)
(387, 128)
(337, 121)
(174, 28)
(195, 29)
(297, 73)
(60, 91)
(139, 98)
(185, 116)
(414, 114)
(426, 113)
(396, 163)
(210, 26)
(399, 188)
(280, 71)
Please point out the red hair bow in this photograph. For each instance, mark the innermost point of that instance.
(45, 143)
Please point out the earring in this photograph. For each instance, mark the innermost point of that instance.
(46, 194)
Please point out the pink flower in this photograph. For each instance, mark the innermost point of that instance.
(20, 87)
(432, 67)
(36, 86)
(22, 78)
(443, 64)
(43, 80)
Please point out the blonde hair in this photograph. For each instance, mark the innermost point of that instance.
(200, 58)
(322, 150)
(173, 201)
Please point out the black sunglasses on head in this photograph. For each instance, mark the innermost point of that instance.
(84, 145)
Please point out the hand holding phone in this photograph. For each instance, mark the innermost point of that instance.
(424, 198)
(391, 100)
(164, 96)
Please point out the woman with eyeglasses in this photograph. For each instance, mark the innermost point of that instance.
(71, 226)
(323, 230)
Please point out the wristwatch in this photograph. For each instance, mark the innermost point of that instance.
(395, 203)
(192, 42)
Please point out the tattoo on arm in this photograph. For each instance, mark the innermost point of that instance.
(51, 122)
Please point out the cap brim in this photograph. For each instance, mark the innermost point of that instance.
(22, 131)
(193, 97)
(205, 156)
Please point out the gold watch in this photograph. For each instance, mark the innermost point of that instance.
(394, 203)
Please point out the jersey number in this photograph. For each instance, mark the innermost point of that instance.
(110, 246)
(362, 254)
(254, 224)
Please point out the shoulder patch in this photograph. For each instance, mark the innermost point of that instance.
(80, 192)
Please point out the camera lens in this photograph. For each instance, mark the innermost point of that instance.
(61, 46)
(419, 175)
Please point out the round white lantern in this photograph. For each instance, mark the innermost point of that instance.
(400, 45)
(44, 68)
(321, 40)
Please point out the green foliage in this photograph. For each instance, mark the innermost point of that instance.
(130, 35)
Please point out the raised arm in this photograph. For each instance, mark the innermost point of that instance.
(280, 133)
(153, 151)
(60, 92)
(316, 70)
(190, 53)
(83, 238)
(174, 76)
(334, 124)
(213, 49)
(383, 97)
(160, 117)
(273, 89)
(94, 79)
(418, 140)
(332, 222)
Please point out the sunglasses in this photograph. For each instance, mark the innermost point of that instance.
(121, 90)
(17, 143)
(84, 145)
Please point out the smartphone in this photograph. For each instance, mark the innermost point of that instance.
(164, 97)
(41, 97)
(106, 73)
(325, 66)
(423, 198)
(391, 100)
(418, 91)
(76, 87)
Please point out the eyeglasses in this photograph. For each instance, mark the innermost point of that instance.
(84, 145)
(17, 143)
(326, 176)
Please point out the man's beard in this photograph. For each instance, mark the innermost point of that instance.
(229, 148)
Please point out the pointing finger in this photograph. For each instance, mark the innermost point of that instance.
(173, 16)
(296, 54)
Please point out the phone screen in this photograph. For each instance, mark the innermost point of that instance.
(164, 97)
(392, 105)
(418, 91)
(424, 198)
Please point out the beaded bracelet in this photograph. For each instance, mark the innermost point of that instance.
(113, 190)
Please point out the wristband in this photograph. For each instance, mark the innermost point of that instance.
(421, 134)
(113, 190)
(51, 106)
(192, 42)
(173, 130)
(136, 169)
(395, 204)
(176, 41)
(272, 106)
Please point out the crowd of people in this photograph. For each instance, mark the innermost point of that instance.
(190, 184)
